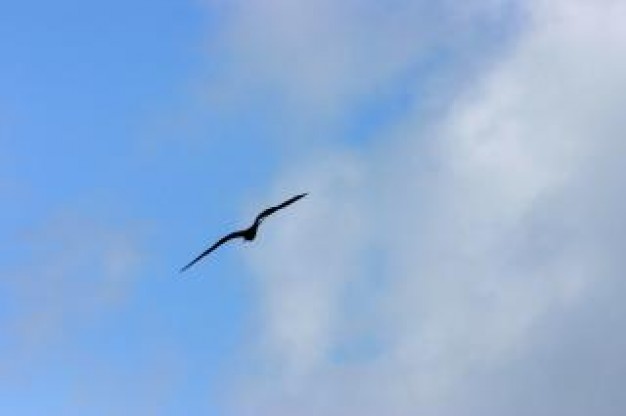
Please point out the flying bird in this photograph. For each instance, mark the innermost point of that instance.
(249, 233)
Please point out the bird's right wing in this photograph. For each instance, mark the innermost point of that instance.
(266, 213)
(221, 241)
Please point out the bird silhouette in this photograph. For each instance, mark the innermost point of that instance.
(249, 233)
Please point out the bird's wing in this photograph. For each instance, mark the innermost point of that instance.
(221, 241)
(266, 213)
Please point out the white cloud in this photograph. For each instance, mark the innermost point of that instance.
(458, 258)
(308, 288)
(313, 63)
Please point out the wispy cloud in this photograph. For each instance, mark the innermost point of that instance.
(454, 256)
(74, 271)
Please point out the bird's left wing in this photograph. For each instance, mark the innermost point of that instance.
(221, 241)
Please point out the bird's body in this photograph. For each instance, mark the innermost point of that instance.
(248, 234)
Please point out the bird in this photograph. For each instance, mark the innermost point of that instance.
(248, 234)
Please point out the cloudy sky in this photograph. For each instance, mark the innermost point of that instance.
(461, 251)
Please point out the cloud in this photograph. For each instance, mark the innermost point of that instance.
(470, 267)
(337, 193)
(69, 273)
(308, 67)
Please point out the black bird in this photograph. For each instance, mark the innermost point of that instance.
(249, 233)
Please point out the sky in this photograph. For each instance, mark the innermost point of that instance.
(460, 251)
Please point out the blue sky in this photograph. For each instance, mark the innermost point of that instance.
(464, 214)
(85, 89)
